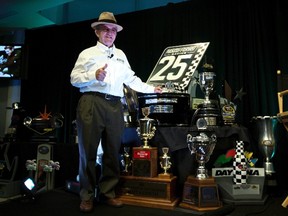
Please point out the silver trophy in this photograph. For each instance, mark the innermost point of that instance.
(165, 160)
(127, 161)
(202, 146)
(267, 137)
(206, 82)
(146, 129)
(208, 112)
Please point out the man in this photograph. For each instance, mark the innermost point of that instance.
(10, 62)
(100, 72)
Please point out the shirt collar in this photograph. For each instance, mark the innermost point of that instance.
(108, 50)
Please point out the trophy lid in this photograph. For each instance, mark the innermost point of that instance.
(263, 117)
(202, 137)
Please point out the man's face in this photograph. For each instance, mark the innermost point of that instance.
(107, 34)
(8, 50)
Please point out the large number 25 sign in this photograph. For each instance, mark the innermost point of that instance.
(169, 63)
(177, 65)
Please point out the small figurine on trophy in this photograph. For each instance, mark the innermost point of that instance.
(165, 163)
(145, 112)
(127, 161)
(146, 129)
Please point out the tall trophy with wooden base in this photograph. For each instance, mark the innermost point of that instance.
(147, 127)
(145, 158)
(200, 191)
(145, 187)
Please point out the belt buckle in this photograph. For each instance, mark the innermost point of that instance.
(107, 97)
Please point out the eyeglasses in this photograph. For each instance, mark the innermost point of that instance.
(106, 30)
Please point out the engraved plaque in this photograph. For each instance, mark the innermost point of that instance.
(200, 194)
(149, 192)
(144, 162)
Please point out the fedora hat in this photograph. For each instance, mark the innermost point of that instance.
(106, 18)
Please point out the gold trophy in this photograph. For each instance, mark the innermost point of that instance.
(146, 129)
(165, 163)
(145, 187)
(145, 157)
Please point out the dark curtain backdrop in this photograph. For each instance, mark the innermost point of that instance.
(248, 43)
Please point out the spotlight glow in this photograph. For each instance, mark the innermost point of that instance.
(29, 184)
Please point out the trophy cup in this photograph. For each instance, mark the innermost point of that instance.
(127, 161)
(146, 129)
(267, 137)
(165, 163)
(145, 157)
(201, 191)
(206, 82)
(145, 187)
(202, 146)
(208, 112)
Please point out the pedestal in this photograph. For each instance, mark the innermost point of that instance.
(241, 194)
(145, 161)
(200, 194)
(165, 175)
(148, 192)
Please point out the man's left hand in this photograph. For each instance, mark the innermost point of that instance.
(158, 89)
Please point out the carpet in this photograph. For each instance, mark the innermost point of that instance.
(59, 202)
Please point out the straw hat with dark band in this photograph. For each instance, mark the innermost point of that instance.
(106, 18)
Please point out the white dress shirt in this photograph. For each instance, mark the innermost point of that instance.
(118, 72)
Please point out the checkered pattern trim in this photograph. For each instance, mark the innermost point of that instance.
(239, 165)
(181, 85)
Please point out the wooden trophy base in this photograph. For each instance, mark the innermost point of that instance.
(200, 194)
(145, 162)
(165, 175)
(148, 192)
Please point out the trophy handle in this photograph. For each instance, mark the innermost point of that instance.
(190, 146)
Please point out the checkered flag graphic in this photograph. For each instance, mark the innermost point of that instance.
(177, 64)
(196, 60)
(239, 165)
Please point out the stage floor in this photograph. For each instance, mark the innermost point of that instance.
(59, 202)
